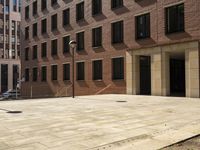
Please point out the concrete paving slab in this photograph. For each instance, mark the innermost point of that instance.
(113, 122)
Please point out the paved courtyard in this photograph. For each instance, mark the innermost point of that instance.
(98, 123)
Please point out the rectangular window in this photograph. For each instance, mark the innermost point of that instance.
(27, 12)
(34, 8)
(27, 53)
(44, 73)
(80, 41)
(66, 46)
(175, 21)
(97, 37)
(66, 71)
(43, 5)
(35, 74)
(97, 70)
(54, 69)
(66, 17)
(96, 7)
(117, 32)
(80, 71)
(116, 3)
(27, 33)
(142, 26)
(35, 52)
(54, 47)
(26, 74)
(53, 2)
(44, 26)
(44, 50)
(80, 11)
(54, 22)
(118, 68)
(34, 29)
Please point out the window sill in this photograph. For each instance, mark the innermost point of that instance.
(80, 80)
(175, 32)
(97, 80)
(144, 38)
(117, 7)
(97, 14)
(118, 80)
(97, 47)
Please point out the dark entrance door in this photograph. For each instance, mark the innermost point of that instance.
(4, 77)
(145, 75)
(177, 77)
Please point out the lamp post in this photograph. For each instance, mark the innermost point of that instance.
(73, 45)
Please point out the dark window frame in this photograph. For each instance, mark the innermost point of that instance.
(34, 74)
(96, 9)
(97, 37)
(44, 73)
(43, 5)
(80, 72)
(34, 30)
(116, 4)
(66, 17)
(34, 8)
(97, 70)
(44, 26)
(66, 46)
(26, 54)
(80, 39)
(66, 72)
(54, 48)
(117, 34)
(54, 22)
(144, 27)
(118, 70)
(175, 25)
(44, 49)
(80, 11)
(54, 75)
(35, 52)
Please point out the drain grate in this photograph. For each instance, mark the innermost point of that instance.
(121, 101)
(14, 112)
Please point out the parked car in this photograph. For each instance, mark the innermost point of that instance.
(11, 94)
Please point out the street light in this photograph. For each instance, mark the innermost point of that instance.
(72, 45)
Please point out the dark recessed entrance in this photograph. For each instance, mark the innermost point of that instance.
(145, 75)
(177, 77)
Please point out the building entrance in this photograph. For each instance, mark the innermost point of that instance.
(177, 77)
(145, 75)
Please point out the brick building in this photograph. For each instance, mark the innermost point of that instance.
(9, 44)
(122, 46)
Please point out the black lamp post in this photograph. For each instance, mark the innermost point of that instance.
(73, 46)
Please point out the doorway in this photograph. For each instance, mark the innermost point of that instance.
(145, 75)
(177, 77)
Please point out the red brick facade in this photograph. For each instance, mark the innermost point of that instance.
(131, 8)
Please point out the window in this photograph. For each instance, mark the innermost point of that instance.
(54, 69)
(175, 19)
(35, 52)
(117, 32)
(80, 11)
(43, 4)
(44, 50)
(34, 29)
(54, 22)
(27, 53)
(35, 74)
(44, 26)
(27, 74)
(80, 71)
(96, 7)
(118, 68)
(66, 46)
(53, 2)
(80, 41)
(34, 8)
(27, 33)
(97, 70)
(44, 73)
(27, 12)
(66, 17)
(66, 71)
(142, 26)
(116, 3)
(97, 37)
(54, 47)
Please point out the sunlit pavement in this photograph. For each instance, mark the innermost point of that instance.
(113, 122)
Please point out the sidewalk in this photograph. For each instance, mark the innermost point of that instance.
(98, 122)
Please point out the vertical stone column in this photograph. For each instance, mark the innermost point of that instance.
(165, 74)
(156, 74)
(136, 75)
(192, 72)
(129, 73)
(10, 76)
